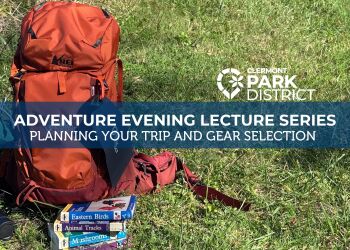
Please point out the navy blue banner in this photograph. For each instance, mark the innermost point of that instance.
(175, 125)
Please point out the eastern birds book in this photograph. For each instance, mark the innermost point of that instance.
(89, 226)
(111, 209)
(68, 240)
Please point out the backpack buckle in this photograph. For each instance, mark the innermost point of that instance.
(106, 85)
(18, 76)
(143, 166)
(98, 86)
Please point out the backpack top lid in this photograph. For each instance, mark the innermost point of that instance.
(68, 36)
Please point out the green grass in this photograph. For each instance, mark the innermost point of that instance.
(173, 51)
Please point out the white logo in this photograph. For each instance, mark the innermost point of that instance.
(263, 84)
(236, 82)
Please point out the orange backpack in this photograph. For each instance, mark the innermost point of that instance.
(67, 53)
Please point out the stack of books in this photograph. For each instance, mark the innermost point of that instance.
(95, 225)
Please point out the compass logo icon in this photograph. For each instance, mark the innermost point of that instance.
(236, 82)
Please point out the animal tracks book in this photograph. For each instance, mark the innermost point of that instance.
(89, 226)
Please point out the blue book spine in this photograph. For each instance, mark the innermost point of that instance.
(81, 240)
(80, 212)
(100, 216)
(94, 216)
(93, 238)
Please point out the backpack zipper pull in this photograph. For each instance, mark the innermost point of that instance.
(62, 88)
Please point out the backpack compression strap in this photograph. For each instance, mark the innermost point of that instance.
(205, 192)
(120, 80)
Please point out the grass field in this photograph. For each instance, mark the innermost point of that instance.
(173, 51)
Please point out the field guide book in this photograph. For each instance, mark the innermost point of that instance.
(108, 245)
(68, 240)
(111, 209)
(89, 226)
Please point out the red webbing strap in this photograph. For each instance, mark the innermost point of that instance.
(120, 80)
(24, 195)
(209, 193)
